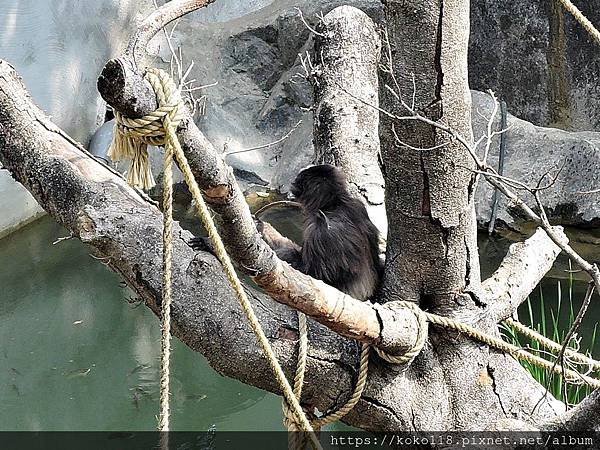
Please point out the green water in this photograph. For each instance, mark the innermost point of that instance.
(77, 352)
(76, 355)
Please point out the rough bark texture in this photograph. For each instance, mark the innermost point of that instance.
(432, 250)
(124, 229)
(454, 384)
(428, 192)
(345, 83)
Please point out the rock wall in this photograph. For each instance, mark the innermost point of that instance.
(534, 153)
(539, 59)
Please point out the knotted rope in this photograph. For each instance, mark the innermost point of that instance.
(584, 21)
(132, 136)
(296, 440)
(422, 331)
(159, 128)
(130, 141)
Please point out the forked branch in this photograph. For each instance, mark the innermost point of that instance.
(123, 87)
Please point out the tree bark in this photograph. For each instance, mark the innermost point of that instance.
(454, 384)
(432, 253)
(347, 51)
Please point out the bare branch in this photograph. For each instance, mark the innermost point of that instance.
(523, 267)
(157, 21)
(490, 132)
(268, 145)
(594, 191)
(311, 29)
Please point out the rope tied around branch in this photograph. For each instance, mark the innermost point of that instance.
(132, 136)
(159, 128)
(422, 331)
(570, 375)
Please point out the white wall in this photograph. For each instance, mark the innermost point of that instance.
(59, 48)
(17, 206)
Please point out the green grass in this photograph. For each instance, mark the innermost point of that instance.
(556, 329)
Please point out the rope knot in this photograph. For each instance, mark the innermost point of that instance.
(132, 136)
(408, 356)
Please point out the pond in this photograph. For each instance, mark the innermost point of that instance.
(78, 352)
(75, 354)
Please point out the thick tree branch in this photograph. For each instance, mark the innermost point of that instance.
(125, 229)
(521, 270)
(343, 314)
(347, 49)
(428, 193)
(121, 81)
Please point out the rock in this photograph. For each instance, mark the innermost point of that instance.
(261, 94)
(539, 59)
(59, 48)
(532, 152)
(251, 50)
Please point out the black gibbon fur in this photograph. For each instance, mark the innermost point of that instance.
(341, 244)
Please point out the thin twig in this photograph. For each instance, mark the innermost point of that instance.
(270, 144)
(311, 29)
(594, 191)
(277, 203)
(64, 238)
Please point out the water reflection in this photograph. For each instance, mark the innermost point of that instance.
(74, 355)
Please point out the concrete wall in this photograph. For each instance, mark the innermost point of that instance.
(17, 206)
(59, 48)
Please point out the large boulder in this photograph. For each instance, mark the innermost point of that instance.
(250, 49)
(567, 162)
(538, 59)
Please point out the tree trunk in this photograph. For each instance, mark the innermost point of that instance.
(345, 86)
(432, 254)
(455, 383)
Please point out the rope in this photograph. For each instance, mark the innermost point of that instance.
(159, 128)
(553, 346)
(585, 23)
(355, 397)
(497, 343)
(165, 318)
(422, 332)
(296, 440)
